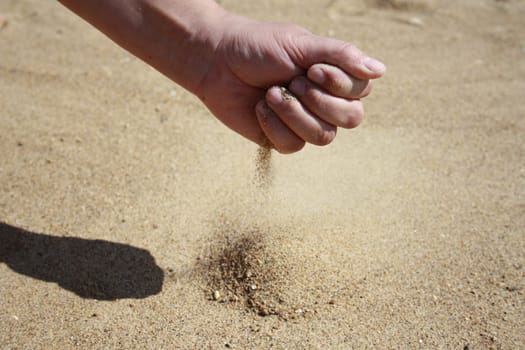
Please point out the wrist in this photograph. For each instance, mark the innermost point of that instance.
(180, 38)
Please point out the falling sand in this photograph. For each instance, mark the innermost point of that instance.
(263, 169)
(246, 266)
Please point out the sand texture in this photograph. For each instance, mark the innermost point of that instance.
(131, 219)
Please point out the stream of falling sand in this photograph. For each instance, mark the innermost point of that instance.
(263, 169)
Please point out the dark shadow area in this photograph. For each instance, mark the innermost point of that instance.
(92, 269)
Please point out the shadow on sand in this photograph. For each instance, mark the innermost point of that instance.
(92, 269)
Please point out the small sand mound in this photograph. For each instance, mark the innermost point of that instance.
(242, 270)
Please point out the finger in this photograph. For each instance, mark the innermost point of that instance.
(312, 49)
(334, 110)
(280, 136)
(303, 123)
(337, 82)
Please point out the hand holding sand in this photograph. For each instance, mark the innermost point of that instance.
(253, 63)
(238, 66)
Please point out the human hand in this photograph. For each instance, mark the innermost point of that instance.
(237, 66)
(254, 61)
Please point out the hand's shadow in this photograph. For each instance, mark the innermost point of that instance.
(92, 269)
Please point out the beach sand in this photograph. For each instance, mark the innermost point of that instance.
(131, 218)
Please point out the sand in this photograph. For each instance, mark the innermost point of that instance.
(124, 206)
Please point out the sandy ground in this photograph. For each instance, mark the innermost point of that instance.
(120, 196)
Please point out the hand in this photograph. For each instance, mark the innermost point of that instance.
(236, 66)
(254, 61)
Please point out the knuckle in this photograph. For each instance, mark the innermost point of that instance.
(349, 52)
(317, 99)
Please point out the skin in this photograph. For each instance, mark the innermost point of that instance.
(238, 67)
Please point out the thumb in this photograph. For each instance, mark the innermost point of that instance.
(311, 49)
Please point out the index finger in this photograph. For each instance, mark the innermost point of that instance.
(337, 82)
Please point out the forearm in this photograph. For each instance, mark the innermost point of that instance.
(173, 36)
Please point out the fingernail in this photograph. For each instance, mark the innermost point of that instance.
(274, 96)
(374, 65)
(264, 111)
(316, 75)
(298, 86)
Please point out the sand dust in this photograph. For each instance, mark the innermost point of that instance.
(263, 169)
(286, 94)
(245, 266)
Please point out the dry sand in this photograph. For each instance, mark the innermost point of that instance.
(125, 207)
